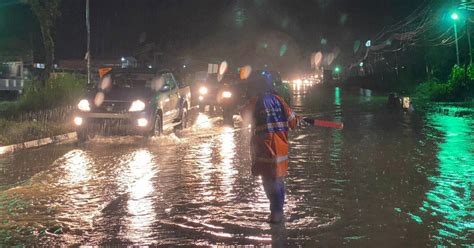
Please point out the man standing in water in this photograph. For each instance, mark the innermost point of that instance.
(271, 118)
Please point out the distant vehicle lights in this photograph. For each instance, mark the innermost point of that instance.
(226, 94)
(306, 81)
(297, 81)
(203, 90)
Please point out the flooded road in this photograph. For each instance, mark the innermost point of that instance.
(388, 179)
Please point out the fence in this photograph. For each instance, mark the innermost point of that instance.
(60, 114)
(12, 84)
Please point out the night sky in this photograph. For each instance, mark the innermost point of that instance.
(209, 28)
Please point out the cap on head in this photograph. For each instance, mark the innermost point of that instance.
(261, 82)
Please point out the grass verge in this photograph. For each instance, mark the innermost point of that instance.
(13, 132)
(42, 110)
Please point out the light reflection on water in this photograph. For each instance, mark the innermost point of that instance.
(138, 180)
(227, 153)
(205, 165)
(448, 206)
(77, 167)
(337, 143)
(203, 121)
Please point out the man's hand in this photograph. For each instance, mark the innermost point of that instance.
(311, 122)
(305, 122)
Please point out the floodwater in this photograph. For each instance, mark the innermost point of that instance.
(388, 179)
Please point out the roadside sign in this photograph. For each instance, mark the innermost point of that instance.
(212, 68)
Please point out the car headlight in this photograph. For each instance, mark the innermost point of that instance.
(203, 90)
(142, 122)
(78, 121)
(84, 105)
(137, 106)
(227, 94)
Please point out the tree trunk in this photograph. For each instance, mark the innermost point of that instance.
(48, 44)
(47, 12)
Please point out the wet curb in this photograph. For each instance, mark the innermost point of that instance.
(37, 143)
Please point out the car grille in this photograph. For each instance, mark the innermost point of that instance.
(111, 126)
(113, 107)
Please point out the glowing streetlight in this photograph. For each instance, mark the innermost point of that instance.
(454, 16)
(368, 43)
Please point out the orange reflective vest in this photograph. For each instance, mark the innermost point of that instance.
(271, 120)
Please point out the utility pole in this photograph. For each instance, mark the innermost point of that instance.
(468, 30)
(455, 37)
(455, 17)
(88, 54)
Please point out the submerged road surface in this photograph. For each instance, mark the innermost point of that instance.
(388, 179)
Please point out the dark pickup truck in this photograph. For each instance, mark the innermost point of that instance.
(132, 101)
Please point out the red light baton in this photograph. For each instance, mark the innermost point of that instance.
(322, 123)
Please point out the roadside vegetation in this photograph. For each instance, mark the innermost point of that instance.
(458, 87)
(41, 111)
(13, 132)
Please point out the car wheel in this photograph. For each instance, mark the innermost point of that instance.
(158, 126)
(184, 120)
(228, 117)
(202, 107)
(84, 135)
(212, 108)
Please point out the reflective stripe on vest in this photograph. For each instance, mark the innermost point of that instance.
(270, 116)
(272, 160)
(292, 116)
(271, 126)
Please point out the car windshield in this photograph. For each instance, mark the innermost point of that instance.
(132, 80)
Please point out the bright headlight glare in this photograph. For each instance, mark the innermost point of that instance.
(203, 90)
(84, 105)
(137, 106)
(78, 121)
(227, 94)
(142, 122)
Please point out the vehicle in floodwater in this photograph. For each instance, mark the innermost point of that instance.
(230, 96)
(208, 92)
(132, 101)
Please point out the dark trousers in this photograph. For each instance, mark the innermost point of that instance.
(275, 191)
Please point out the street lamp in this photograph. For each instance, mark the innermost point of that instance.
(368, 43)
(455, 17)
